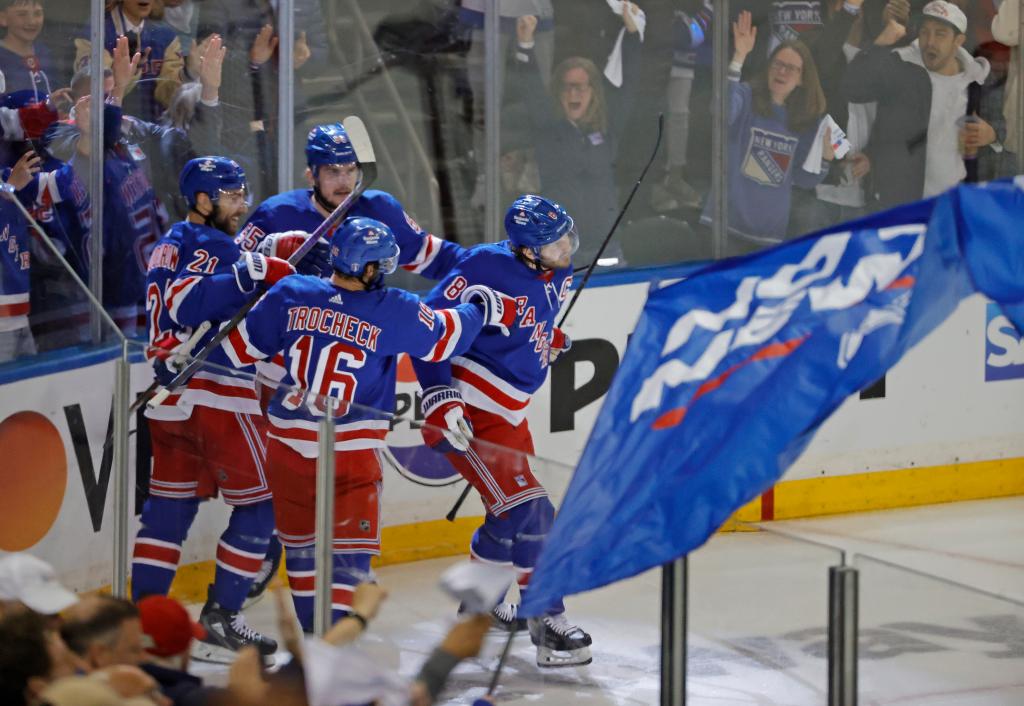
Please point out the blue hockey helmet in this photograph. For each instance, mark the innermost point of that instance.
(210, 176)
(328, 144)
(534, 221)
(361, 241)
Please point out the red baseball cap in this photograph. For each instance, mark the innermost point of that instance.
(167, 628)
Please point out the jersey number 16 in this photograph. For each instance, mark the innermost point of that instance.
(323, 373)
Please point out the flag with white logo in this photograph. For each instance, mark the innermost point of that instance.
(730, 372)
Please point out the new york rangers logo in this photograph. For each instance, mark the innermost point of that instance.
(769, 157)
(770, 316)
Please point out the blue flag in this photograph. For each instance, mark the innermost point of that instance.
(730, 372)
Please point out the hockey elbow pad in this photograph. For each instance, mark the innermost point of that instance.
(447, 427)
(499, 309)
(255, 268)
(283, 245)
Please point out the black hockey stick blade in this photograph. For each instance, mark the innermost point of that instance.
(368, 174)
(458, 503)
(615, 225)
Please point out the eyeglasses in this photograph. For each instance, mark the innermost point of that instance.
(783, 68)
(575, 87)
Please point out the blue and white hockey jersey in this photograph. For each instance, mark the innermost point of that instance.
(344, 344)
(191, 280)
(499, 374)
(421, 252)
(14, 268)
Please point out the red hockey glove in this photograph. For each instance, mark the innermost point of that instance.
(255, 268)
(315, 262)
(560, 343)
(447, 428)
(499, 309)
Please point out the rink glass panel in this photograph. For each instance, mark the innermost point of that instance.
(929, 640)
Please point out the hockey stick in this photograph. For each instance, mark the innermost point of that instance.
(368, 174)
(590, 269)
(501, 661)
(615, 225)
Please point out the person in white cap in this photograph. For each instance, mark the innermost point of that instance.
(922, 133)
(33, 583)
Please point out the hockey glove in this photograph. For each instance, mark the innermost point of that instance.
(448, 429)
(254, 268)
(499, 309)
(560, 343)
(316, 262)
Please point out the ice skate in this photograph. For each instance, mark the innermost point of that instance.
(227, 633)
(559, 644)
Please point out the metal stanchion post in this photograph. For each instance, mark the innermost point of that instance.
(842, 636)
(673, 632)
(122, 483)
(720, 127)
(97, 22)
(285, 94)
(493, 66)
(324, 521)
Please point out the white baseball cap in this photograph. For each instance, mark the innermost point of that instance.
(32, 581)
(948, 13)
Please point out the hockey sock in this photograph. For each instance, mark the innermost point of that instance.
(241, 551)
(534, 521)
(165, 524)
(492, 541)
(349, 571)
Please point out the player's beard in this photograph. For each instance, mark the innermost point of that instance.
(224, 222)
(322, 200)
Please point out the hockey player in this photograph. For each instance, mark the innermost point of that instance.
(210, 437)
(490, 385)
(332, 173)
(342, 337)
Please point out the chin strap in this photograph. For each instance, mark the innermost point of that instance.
(321, 201)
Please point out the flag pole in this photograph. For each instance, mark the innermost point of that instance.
(673, 632)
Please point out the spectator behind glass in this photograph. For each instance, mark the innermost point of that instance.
(920, 138)
(247, 28)
(16, 339)
(691, 27)
(25, 62)
(773, 122)
(1006, 29)
(183, 17)
(134, 217)
(160, 70)
(576, 135)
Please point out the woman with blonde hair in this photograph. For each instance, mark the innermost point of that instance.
(773, 124)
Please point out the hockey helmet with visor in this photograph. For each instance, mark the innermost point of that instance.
(361, 241)
(543, 227)
(217, 177)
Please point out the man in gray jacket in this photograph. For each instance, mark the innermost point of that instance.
(922, 132)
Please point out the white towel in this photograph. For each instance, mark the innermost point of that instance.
(613, 69)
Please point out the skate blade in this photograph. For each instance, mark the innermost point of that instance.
(216, 654)
(554, 659)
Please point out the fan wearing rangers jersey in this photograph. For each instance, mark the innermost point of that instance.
(341, 337)
(209, 438)
(490, 385)
(332, 173)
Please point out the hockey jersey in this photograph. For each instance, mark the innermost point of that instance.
(15, 261)
(499, 374)
(29, 72)
(190, 280)
(421, 252)
(344, 344)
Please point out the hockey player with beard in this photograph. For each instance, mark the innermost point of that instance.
(332, 173)
(341, 337)
(208, 438)
(486, 390)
